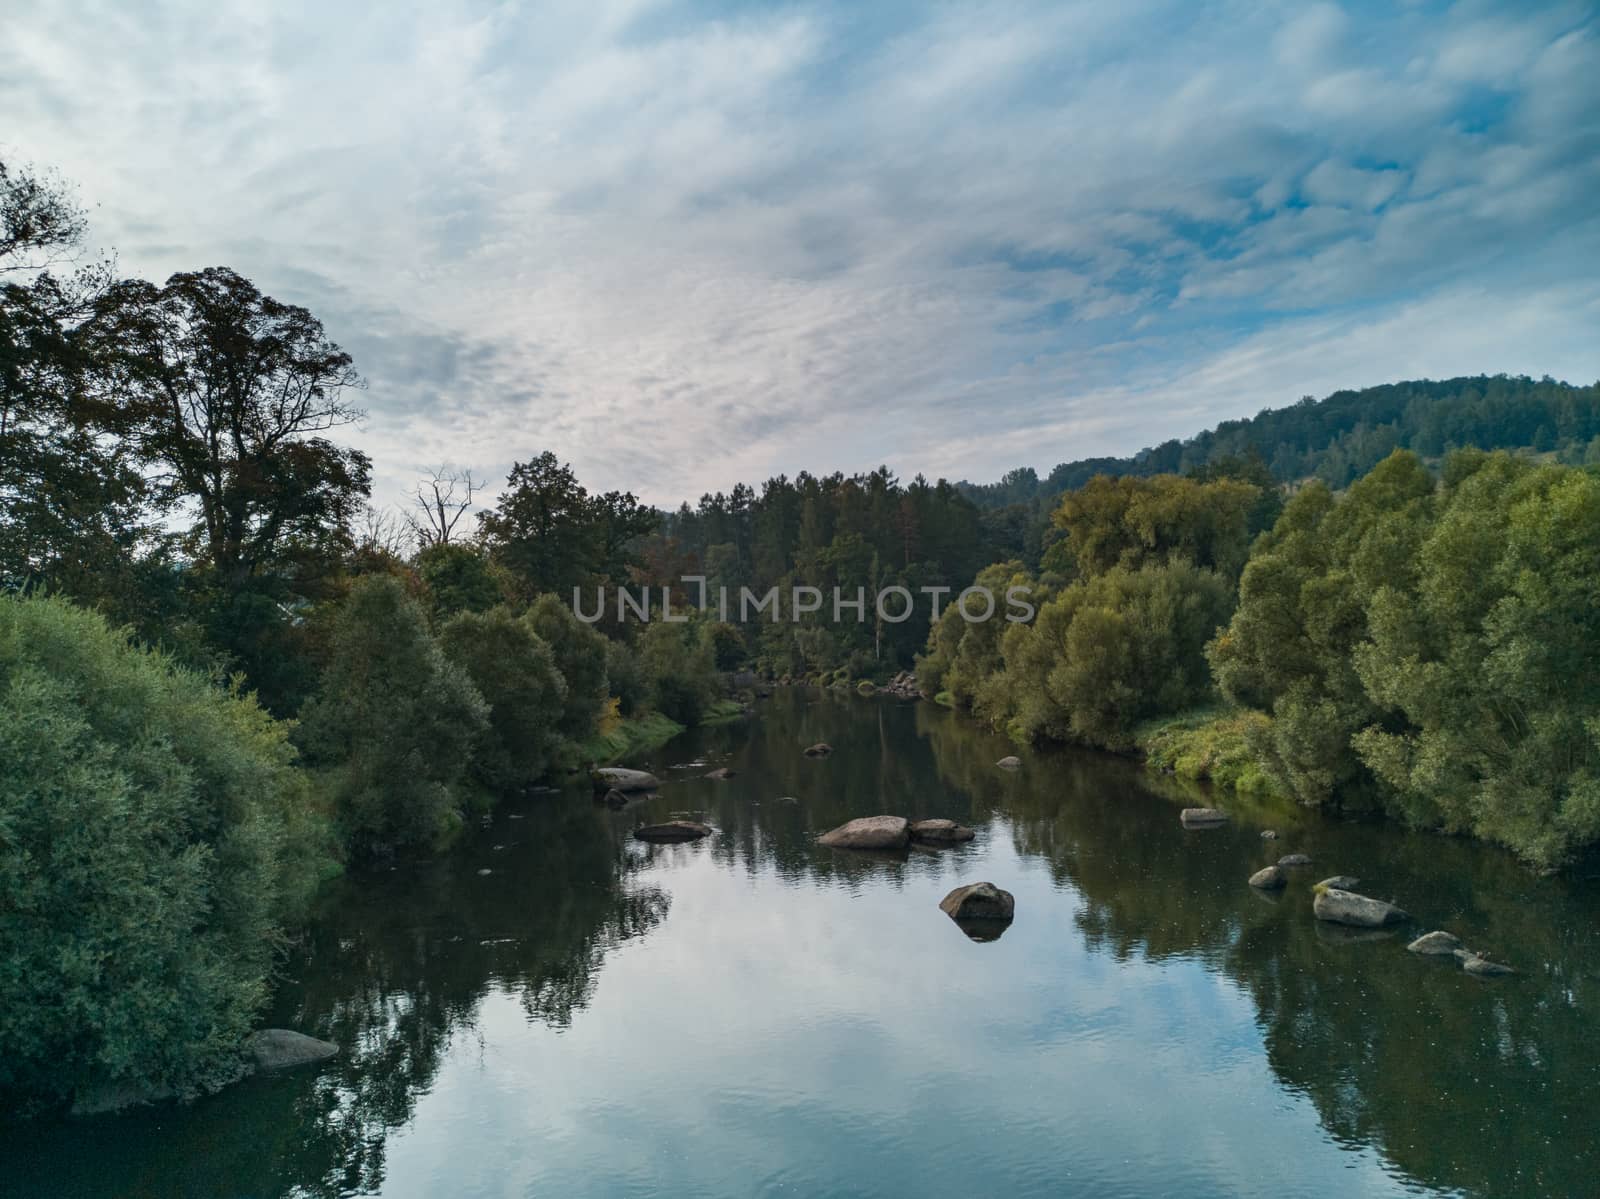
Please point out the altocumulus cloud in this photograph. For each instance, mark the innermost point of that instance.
(684, 244)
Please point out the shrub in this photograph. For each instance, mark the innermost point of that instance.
(154, 831)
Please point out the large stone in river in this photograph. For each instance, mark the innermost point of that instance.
(869, 832)
(283, 1048)
(1346, 907)
(618, 778)
(1010, 762)
(1435, 944)
(978, 901)
(939, 832)
(1202, 817)
(820, 750)
(1270, 879)
(1295, 859)
(1476, 963)
(1339, 882)
(673, 830)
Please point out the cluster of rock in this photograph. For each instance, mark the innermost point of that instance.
(902, 686)
(894, 833)
(1443, 944)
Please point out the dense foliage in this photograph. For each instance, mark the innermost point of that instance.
(394, 723)
(154, 832)
(1430, 649)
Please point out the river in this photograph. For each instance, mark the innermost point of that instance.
(555, 1009)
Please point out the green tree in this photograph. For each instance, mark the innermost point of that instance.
(393, 725)
(516, 674)
(580, 656)
(459, 578)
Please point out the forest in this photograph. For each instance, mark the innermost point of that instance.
(225, 675)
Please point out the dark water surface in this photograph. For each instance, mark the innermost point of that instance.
(754, 1015)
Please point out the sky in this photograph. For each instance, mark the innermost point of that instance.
(683, 245)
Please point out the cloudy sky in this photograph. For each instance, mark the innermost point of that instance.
(685, 244)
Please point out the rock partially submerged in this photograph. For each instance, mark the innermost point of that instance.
(1339, 882)
(902, 686)
(979, 901)
(1202, 817)
(283, 1049)
(1010, 762)
(673, 830)
(820, 750)
(618, 778)
(721, 772)
(939, 832)
(615, 799)
(1295, 859)
(1270, 879)
(869, 832)
(1268, 834)
(1476, 963)
(1346, 907)
(1436, 944)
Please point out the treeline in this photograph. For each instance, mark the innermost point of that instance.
(1424, 646)
(858, 534)
(1343, 436)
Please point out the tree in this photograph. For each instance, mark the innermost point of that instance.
(540, 529)
(440, 502)
(459, 578)
(580, 656)
(156, 832)
(71, 495)
(515, 672)
(393, 725)
(229, 391)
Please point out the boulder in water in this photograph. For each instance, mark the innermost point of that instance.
(1346, 907)
(1270, 879)
(618, 778)
(869, 832)
(978, 901)
(1435, 944)
(1268, 834)
(1339, 882)
(939, 832)
(1010, 762)
(1295, 859)
(673, 830)
(1202, 817)
(615, 799)
(283, 1048)
(820, 750)
(721, 772)
(1476, 963)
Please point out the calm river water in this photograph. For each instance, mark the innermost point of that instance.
(557, 1010)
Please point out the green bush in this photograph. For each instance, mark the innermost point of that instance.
(459, 579)
(515, 673)
(154, 832)
(394, 724)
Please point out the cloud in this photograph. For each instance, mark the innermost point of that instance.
(683, 244)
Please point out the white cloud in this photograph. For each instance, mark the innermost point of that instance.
(683, 250)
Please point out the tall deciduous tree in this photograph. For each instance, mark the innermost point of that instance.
(232, 391)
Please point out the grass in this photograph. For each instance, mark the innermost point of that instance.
(1211, 744)
(627, 736)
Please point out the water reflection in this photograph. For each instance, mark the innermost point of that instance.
(594, 1015)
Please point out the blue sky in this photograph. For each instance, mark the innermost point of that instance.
(683, 245)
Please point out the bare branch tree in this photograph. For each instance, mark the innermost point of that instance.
(441, 500)
(384, 531)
